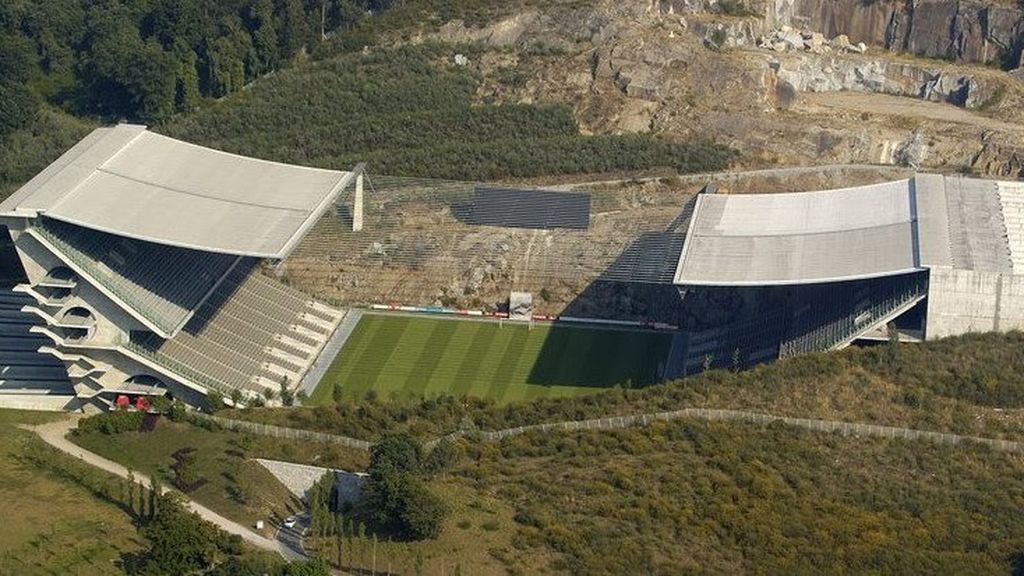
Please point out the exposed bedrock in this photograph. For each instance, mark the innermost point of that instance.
(963, 30)
(810, 73)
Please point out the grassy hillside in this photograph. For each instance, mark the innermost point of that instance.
(716, 497)
(51, 523)
(726, 499)
(407, 357)
(230, 482)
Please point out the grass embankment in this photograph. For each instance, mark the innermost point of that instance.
(53, 524)
(231, 483)
(410, 357)
(727, 497)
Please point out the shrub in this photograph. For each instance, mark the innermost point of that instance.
(444, 455)
(214, 402)
(177, 412)
(112, 422)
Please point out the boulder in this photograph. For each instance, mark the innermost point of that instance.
(841, 42)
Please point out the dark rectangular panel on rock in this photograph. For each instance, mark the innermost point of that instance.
(530, 208)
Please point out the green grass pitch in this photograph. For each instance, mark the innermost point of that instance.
(407, 356)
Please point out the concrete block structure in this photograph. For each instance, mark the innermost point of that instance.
(142, 262)
(930, 256)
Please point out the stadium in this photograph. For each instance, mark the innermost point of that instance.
(140, 266)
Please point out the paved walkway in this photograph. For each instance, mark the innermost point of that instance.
(55, 434)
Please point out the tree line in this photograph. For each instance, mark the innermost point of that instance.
(145, 60)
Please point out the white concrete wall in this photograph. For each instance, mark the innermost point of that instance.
(112, 323)
(120, 367)
(962, 301)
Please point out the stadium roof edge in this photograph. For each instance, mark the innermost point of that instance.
(807, 237)
(128, 181)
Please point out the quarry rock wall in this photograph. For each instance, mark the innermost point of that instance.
(962, 30)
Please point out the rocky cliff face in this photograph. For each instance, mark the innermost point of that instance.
(811, 73)
(964, 30)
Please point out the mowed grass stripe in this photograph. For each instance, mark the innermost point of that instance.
(509, 360)
(476, 356)
(373, 358)
(345, 362)
(452, 355)
(416, 356)
(488, 367)
(429, 357)
(515, 385)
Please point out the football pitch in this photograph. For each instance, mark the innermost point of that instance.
(410, 357)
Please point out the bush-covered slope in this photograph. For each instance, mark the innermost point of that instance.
(693, 497)
(409, 111)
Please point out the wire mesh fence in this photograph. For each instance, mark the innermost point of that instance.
(282, 432)
(633, 420)
(844, 428)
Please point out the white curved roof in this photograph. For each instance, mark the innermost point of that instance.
(871, 231)
(845, 234)
(128, 181)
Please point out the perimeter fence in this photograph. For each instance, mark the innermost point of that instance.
(628, 421)
(282, 432)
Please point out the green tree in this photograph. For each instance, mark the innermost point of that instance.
(214, 402)
(264, 37)
(398, 452)
(292, 26)
(179, 541)
(395, 493)
(186, 471)
(186, 83)
(17, 107)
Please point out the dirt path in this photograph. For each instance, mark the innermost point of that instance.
(884, 104)
(55, 434)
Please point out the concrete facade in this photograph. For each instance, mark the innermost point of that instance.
(964, 301)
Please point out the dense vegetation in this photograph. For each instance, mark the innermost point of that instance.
(28, 150)
(956, 384)
(405, 111)
(409, 111)
(719, 498)
(144, 60)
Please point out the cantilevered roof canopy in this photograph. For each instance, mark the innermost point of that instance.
(828, 236)
(131, 182)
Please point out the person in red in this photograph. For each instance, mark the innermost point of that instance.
(122, 401)
(141, 404)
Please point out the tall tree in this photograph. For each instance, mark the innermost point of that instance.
(264, 37)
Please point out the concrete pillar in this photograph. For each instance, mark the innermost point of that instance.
(357, 206)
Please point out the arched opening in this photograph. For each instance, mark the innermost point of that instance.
(136, 393)
(62, 274)
(146, 381)
(78, 323)
(58, 285)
